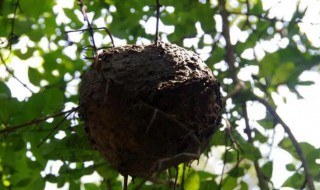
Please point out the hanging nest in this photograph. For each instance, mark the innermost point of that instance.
(148, 108)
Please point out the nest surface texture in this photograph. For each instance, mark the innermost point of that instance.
(148, 108)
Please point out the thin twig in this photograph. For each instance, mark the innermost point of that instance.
(267, 18)
(224, 164)
(91, 29)
(247, 23)
(13, 75)
(183, 176)
(215, 41)
(176, 178)
(158, 6)
(96, 28)
(294, 141)
(109, 184)
(235, 91)
(125, 182)
(54, 129)
(12, 35)
(10, 42)
(261, 178)
(36, 121)
(230, 59)
(227, 131)
(83, 9)
(152, 120)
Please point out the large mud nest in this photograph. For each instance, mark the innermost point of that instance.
(148, 108)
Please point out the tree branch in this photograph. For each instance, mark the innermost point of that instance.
(56, 127)
(13, 75)
(307, 172)
(83, 9)
(261, 178)
(36, 121)
(230, 59)
(12, 38)
(157, 22)
(98, 28)
(91, 29)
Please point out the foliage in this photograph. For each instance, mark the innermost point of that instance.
(33, 36)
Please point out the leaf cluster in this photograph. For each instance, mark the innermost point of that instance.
(33, 36)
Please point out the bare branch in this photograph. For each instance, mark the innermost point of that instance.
(13, 75)
(12, 36)
(12, 39)
(125, 182)
(261, 178)
(307, 172)
(91, 29)
(236, 90)
(157, 22)
(234, 145)
(56, 127)
(230, 59)
(98, 28)
(83, 9)
(36, 121)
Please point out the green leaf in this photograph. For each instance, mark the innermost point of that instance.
(244, 186)
(106, 171)
(90, 186)
(70, 13)
(249, 150)
(312, 156)
(208, 185)
(282, 73)
(267, 169)
(74, 148)
(34, 76)
(266, 123)
(192, 182)
(218, 138)
(291, 167)
(236, 172)
(25, 55)
(260, 137)
(286, 144)
(37, 183)
(37, 26)
(205, 15)
(22, 26)
(307, 148)
(54, 100)
(216, 56)
(306, 83)
(50, 61)
(10, 108)
(4, 91)
(74, 185)
(295, 181)
(230, 183)
(36, 11)
(257, 8)
(230, 156)
(23, 182)
(269, 64)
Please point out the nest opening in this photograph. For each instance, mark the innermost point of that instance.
(148, 108)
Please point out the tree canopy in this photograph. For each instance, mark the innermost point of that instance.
(45, 46)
